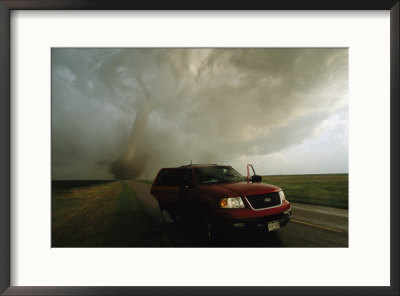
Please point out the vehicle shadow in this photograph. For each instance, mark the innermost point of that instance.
(185, 235)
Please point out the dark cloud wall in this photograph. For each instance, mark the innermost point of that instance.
(127, 112)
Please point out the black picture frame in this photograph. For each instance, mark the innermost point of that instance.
(7, 6)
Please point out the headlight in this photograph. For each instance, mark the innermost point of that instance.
(231, 203)
(282, 195)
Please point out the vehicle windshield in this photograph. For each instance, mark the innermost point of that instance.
(217, 174)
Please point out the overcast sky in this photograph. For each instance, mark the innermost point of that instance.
(129, 112)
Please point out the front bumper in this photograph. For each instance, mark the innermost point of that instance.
(261, 222)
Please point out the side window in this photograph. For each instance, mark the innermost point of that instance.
(170, 177)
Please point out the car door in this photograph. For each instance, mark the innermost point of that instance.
(189, 193)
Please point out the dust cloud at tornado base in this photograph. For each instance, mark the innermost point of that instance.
(125, 113)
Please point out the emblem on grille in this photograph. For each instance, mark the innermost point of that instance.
(267, 199)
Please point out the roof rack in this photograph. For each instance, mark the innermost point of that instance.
(197, 164)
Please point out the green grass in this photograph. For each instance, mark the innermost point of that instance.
(325, 189)
(130, 225)
(102, 214)
(147, 181)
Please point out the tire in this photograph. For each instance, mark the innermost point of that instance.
(208, 228)
(166, 216)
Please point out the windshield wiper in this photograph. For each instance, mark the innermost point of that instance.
(235, 176)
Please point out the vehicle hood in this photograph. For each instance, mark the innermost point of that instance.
(242, 188)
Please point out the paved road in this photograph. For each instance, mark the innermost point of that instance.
(311, 226)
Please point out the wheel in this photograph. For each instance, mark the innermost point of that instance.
(208, 228)
(166, 217)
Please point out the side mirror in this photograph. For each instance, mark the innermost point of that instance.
(256, 179)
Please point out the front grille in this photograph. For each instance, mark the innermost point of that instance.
(266, 200)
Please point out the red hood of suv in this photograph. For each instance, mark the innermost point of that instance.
(242, 188)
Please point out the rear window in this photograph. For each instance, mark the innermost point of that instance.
(170, 177)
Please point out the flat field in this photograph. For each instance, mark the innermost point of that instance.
(101, 214)
(325, 189)
(109, 214)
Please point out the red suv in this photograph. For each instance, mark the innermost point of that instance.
(217, 196)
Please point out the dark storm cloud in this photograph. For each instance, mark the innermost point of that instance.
(131, 111)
